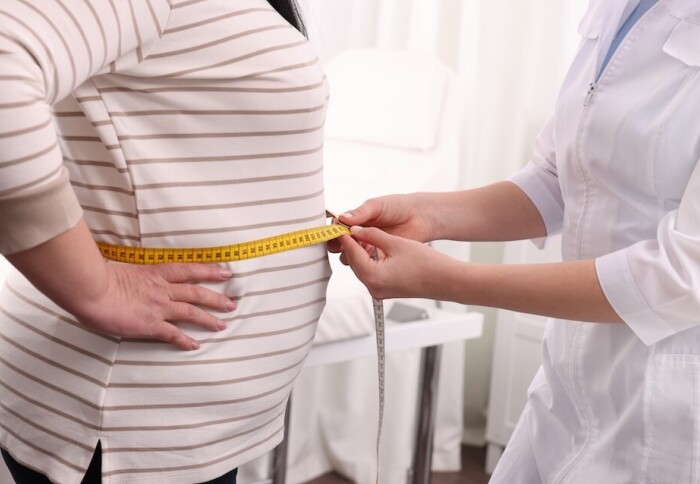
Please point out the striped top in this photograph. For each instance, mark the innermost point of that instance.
(177, 123)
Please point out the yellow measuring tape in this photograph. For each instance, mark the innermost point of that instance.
(225, 253)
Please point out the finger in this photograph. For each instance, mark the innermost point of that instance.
(333, 246)
(355, 256)
(187, 313)
(174, 272)
(374, 237)
(200, 296)
(369, 210)
(169, 333)
(369, 248)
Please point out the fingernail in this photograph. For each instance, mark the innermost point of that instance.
(356, 228)
(346, 215)
(231, 305)
(195, 345)
(226, 274)
(221, 324)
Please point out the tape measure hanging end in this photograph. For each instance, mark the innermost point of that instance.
(378, 307)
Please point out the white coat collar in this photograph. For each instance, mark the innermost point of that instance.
(615, 13)
(604, 18)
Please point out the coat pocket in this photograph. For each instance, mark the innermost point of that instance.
(684, 42)
(671, 428)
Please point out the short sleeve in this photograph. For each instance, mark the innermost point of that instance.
(47, 49)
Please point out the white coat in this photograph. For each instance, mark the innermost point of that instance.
(616, 170)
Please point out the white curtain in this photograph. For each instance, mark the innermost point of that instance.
(511, 56)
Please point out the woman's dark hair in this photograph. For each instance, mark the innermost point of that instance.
(290, 11)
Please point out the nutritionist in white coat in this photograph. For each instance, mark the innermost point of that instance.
(617, 399)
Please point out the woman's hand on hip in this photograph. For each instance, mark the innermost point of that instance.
(122, 299)
(149, 301)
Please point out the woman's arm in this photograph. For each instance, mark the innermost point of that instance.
(568, 290)
(121, 299)
(501, 211)
(47, 49)
(497, 212)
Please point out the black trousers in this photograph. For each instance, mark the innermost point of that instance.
(24, 475)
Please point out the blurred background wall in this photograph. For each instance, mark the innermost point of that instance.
(511, 57)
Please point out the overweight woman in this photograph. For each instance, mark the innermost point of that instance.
(153, 123)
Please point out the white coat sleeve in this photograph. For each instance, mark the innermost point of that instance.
(47, 49)
(540, 182)
(654, 285)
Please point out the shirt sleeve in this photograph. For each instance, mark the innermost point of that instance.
(540, 182)
(654, 285)
(47, 49)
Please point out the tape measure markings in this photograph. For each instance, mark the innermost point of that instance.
(378, 308)
(224, 253)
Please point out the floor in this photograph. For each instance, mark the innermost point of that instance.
(472, 472)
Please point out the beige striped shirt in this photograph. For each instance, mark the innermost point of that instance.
(178, 123)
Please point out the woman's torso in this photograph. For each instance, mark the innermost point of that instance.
(213, 139)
